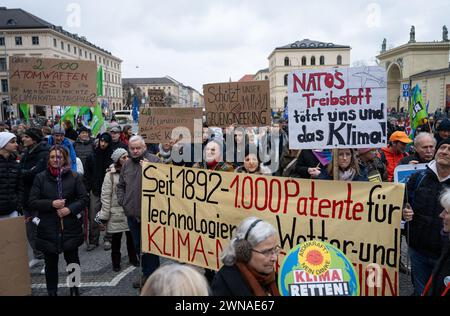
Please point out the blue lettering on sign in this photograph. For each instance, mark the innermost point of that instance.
(406, 86)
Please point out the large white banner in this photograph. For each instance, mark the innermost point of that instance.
(337, 108)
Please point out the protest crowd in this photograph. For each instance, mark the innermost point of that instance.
(73, 187)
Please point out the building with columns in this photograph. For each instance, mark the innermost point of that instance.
(422, 63)
(303, 55)
(23, 34)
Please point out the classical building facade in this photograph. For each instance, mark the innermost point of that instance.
(177, 94)
(23, 34)
(305, 54)
(422, 63)
(262, 74)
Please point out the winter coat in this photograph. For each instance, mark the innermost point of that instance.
(391, 161)
(229, 281)
(440, 272)
(11, 186)
(96, 166)
(221, 166)
(84, 149)
(305, 161)
(71, 134)
(50, 238)
(406, 160)
(424, 190)
(111, 211)
(129, 188)
(119, 144)
(69, 146)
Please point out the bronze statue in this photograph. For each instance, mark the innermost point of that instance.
(412, 35)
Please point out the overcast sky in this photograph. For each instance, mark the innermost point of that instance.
(199, 41)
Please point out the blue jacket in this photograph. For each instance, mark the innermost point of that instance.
(68, 145)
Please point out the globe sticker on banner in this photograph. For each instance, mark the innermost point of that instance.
(315, 268)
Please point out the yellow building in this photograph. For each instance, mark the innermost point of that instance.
(23, 34)
(422, 63)
(305, 54)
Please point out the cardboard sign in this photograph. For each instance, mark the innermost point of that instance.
(14, 272)
(243, 103)
(45, 81)
(190, 215)
(402, 173)
(337, 108)
(156, 98)
(158, 125)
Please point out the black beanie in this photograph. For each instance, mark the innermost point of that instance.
(106, 137)
(444, 126)
(443, 142)
(35, 134)
(84, 129)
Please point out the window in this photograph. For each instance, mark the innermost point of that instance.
(85, 54)
(5, 85)
(54, 42)
(286, 80)
(35, 40)
(90, 56)
(18, 40)
(322, 60)
(266, 78)
(62, 45)
(339, 60)
(2, 64)
(303, 61)
(286, 61)
(80, 51)
(285, 101)
(2, 41)
(68, 48)
(95, 58)
(313, 61)
(74, 50)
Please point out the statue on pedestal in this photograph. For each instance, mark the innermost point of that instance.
(444, 34)
(412, 35)
(383, 46)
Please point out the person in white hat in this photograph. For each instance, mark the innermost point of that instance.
(11, 188)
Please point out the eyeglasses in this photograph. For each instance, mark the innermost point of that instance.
(268, 252)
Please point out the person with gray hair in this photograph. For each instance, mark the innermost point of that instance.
(129, 192)
(249, 261)
(424, 149)
(176, 280)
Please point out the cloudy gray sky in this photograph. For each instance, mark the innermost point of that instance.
(199, 41)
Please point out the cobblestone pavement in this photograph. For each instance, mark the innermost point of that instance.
(98, 278)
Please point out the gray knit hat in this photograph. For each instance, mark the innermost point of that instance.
(119, 152)
(58, 129)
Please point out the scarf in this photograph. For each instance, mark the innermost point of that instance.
(165, 155)
(347, 175)
(137, 159)
(260, 284)
(212, 164)
(55, 171)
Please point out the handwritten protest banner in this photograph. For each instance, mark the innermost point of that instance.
(243, 103)
(46, 81)
(337, 108)
(190, 215)
(157, 124)
(156, 98)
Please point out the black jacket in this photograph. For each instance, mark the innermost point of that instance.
(33, 161)
(50, 238)
(424, 190)
(11, 186)
(83, 149)
(71, 134)
(305, 160)
(406, 160)
(96, 165)
(228, 281)
(440, 272)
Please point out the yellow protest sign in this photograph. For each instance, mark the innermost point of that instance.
(190, 215)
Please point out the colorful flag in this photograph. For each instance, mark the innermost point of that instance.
(25, 109)
(417, 109)
(97, 120)
(69, 114)
(84, 110)
(135, 109)
(324, 156)
(100, 81)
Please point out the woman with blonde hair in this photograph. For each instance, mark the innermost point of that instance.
(349, 168)
(176, 280)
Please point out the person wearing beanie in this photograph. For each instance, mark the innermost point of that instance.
(113, 215)
(84, 145)
(96, 165)
(58, 138)
(116, 142)
(443, 130)
(395, 152)
(33, 161)
(421, 212)
(376, 170)
(11, 185)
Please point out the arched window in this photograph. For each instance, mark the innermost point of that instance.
(286, 61)
(303, 61)
(339, 60)
(322, 60)
(286, 80)
(285, 101)
(313, 61)
(266, 78)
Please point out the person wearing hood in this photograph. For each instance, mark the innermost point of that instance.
(96, 165)
(84, 145)
(11, 185)
(33, 161)
(113, 215)
(443, 130)
(58, 138)
(129, 193)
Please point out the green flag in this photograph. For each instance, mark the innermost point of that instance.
(69, 114)
(100, 81)
(97, 120)
(84, 110)
(417, 109)
(25, 109)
